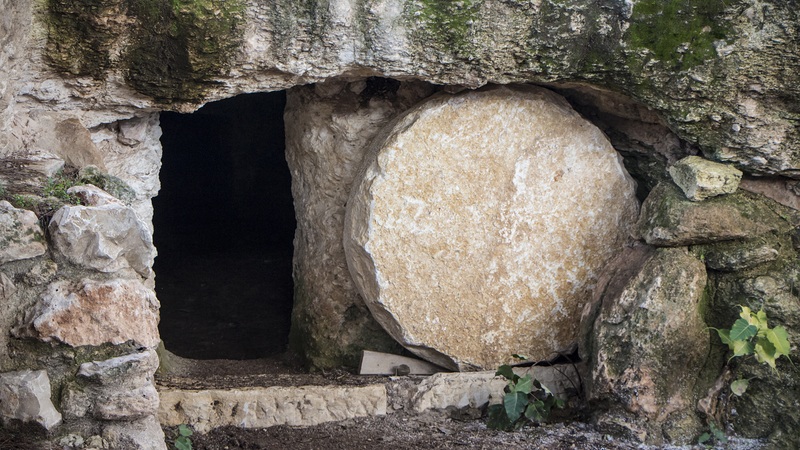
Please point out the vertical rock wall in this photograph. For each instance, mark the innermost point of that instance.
(328, 129)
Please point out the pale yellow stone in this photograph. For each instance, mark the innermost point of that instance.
(479, 224)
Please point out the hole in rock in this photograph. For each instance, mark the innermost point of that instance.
(224, 223)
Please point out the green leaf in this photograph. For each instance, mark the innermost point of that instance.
(515, 404)
(520, 357)
(765, 352)
(780, 339)
(498, 419)
(725, 336)
(705, 437)
(505, 371)
(762, 319)
(184, 430)
(742, 330)
(742, 348)
(746, 313)
(183, 443)
(535, 411)
(524, 385)
(739, 387)
(719, 434)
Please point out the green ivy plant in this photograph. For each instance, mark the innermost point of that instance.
(751, 335)
(714, 436)
(525, 400)
(182, 442)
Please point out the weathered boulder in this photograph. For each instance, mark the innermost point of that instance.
(93, 313)
(93, 196)
(21, 236)
(115, 389)
(328, 129)
(731, 256)
(700, 178)
(25, 396)
(668, 219)
(106, 238)
(648, 345)
(481, 216)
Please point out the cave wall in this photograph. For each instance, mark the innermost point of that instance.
(83, 82)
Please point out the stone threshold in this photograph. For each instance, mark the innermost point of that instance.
(335, 398)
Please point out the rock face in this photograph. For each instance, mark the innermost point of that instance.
(106, 238)
(700, 178)
(116, 389)
(651, 376)
(21, 236)
(25, 396)
(328, 129)
(479, 217)
(669, 219)
(95, 312)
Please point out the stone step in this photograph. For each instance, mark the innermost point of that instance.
(263, 407)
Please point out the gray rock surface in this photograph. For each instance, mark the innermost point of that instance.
(21, 237)
(106, 238)
(669, 219)
(700, 178)
(143, 434)
(479, 217)
(94, 313)
(648, 345)
(25, 396)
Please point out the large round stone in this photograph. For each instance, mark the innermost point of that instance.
(479, 223)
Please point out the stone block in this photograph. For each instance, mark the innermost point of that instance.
(93, 312)
(668, 219)
(106, 238)
(700, 178)
(119, 388)
(25, 396)
(265, 407)
(143, 434)
(21, 237)
(479, 224)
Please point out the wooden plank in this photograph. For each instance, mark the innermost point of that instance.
(377, 363)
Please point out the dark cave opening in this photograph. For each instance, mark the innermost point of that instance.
(224, 224)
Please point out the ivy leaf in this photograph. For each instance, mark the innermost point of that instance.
(535, 411)
(725, 336)
(705, 437)
(520, 357)
(524, 385)
(765, 352)
(184, 430)
(780, 339)
(762, 319)
(742, 330)
(745, 314)
(498, 420)
(742, 348)
(505, 371)
(739, 386)
(515, 403)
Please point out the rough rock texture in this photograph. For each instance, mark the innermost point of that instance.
(771, 406)
(477, 389)
(93, 196)
(669, 219)
(648, 345)
(786, 192)
(700, 178)
(479, 217)
(106, 238)
(21, 236)
(93, 313)
(266, 407)
(115, 389)
(143, 434)
(25, 396)
(328, 129)
(735, 255)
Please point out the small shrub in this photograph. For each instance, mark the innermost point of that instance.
(57, 187)
(525, 400)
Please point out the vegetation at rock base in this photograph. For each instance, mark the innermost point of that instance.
(525, 400)
(182, 441)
